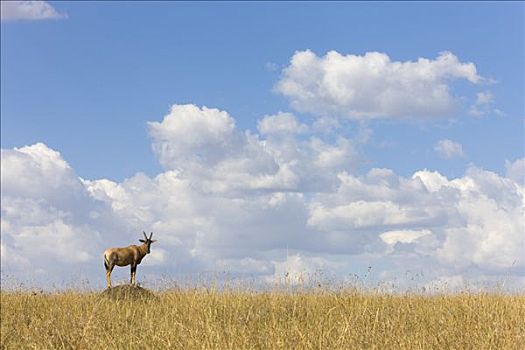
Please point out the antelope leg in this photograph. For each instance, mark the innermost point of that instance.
(108, 278)
(133, 273)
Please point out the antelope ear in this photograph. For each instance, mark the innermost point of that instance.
(153, 240)
(141, 240)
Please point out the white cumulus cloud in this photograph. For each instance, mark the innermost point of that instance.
(204, 144)
(484, 105)
(449, 149)
(258, 205)
(403, 236)
(373, 86)
(281, 123)
(29, 10)
(190, 133)
(516, 170)
(48, 218)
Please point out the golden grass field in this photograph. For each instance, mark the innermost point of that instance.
(204, 319)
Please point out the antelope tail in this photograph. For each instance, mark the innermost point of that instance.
(106, 262)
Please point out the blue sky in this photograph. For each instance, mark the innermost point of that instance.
(88, 84)
(265, 139)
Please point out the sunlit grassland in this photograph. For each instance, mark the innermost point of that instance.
(204, 319)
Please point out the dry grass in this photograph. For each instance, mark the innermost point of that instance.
(200, 319)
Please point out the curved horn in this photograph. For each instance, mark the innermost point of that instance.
(150, 235)
(145, 236)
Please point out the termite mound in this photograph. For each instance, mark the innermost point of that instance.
(128, 292)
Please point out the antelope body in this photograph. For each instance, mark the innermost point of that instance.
(131, 255)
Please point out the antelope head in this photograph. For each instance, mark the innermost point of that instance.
(147, 241)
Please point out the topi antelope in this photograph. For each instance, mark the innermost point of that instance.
(131, 255)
